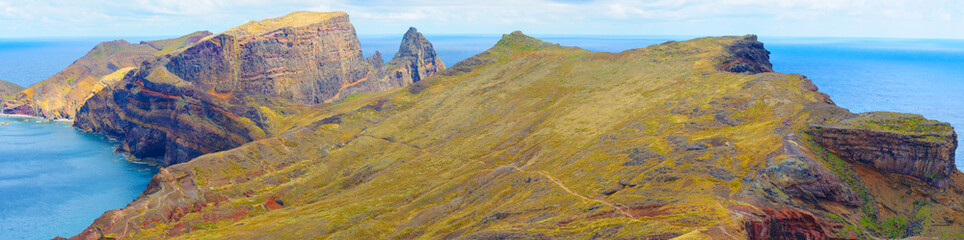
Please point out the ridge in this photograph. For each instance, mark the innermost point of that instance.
(291, 20)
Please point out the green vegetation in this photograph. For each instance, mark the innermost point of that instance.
(529, 138)
(892, 227)
(911, 124)
(8, 90)
(295, 19)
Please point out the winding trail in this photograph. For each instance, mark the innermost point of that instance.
(619, 209)
(563, 186)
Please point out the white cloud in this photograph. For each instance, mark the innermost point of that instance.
(684, 17)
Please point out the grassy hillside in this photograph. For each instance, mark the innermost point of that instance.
(528, 140)
(61, 95)
(9, 89)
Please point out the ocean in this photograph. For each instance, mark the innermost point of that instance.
(55, 180)
(41, 186)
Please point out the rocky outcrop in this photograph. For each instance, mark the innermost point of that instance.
(785, 223)
(9, 89)
(60, 96)
(800, 176)
(747, 55)
(893, 142)
(416, 57)
(212, 95)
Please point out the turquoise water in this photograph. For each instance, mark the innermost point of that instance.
(55, 180)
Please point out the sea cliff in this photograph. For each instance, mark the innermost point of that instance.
(60, 96)
(228, 89)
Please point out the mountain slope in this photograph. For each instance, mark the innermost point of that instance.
(9, 89)
(248, 83)
(60, 96)
(531, 140)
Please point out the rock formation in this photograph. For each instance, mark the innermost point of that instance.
(893, 142)
(218, 93)
(747, 55)
(60, 96)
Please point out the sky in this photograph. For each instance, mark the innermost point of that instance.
(790, 18)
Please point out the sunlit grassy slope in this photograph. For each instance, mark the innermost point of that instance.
(292, 20)
(61, 95)
(9, 89)
(528, 139)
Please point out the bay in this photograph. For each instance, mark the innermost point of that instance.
(55, 180)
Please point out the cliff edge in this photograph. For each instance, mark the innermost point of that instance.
(893, 142)
(242, 85)
(60, 96)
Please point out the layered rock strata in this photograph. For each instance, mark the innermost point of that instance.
(60, 96)
(893, 142)
(217, 94)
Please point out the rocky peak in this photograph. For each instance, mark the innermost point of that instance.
(417, 56)
(518, 41)
(747, 55)
(414, 44)
(376, 60)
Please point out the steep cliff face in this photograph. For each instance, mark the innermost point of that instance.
(8, 90)
(220, 92)
(747, 55)
(893, 142)
(416, 57)
(60, 96)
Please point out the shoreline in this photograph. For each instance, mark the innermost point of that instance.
(24, 116)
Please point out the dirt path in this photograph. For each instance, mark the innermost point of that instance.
(544, 174)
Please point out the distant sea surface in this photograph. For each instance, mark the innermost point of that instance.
(55, 180)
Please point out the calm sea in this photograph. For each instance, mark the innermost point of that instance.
(55, 180)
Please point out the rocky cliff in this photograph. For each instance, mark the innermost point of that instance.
(60, 96)
(8, 90)
(532, 140)
(223, 91)
(898, 143)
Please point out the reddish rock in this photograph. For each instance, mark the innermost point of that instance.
(61, 95)
(785, 223)
(205, 98)
(898, 143)
(273, 203)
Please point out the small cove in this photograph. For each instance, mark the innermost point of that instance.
(54, 179)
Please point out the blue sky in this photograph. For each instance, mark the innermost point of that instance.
(809, 18)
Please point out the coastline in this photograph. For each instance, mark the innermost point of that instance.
(24, 116)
